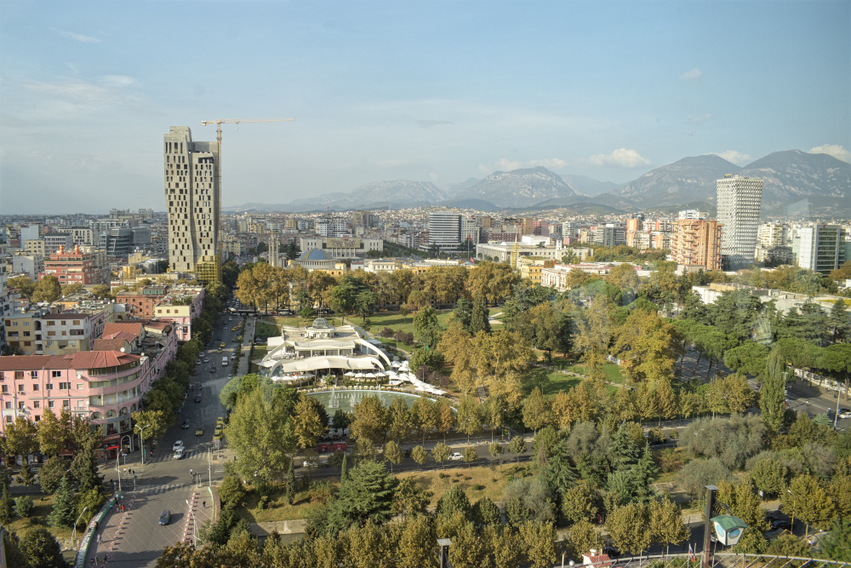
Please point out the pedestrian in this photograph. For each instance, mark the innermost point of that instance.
(203, 504)
(97, 558)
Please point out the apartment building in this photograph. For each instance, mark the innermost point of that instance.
(739, 202)
(86, 268)
(697, 243)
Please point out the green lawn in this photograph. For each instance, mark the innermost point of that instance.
(550, 382)
(612, 371)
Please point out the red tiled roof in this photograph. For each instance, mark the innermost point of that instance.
(101, 359)
(109, 344)
(118, 330)
(125, 335)
(79, 360)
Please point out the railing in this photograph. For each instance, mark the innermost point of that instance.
(718, 560)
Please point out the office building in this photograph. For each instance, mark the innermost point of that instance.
(191, 171)
(821, 248)
(444, 230)
(739, 201)
(697, 243)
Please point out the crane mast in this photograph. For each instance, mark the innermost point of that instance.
(218, 123)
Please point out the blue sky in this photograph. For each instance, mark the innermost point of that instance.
(429, 91)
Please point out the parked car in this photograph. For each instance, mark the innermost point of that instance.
(178, 445)
(198, 398)
(455, 456)
(844, 413)
(165, 517)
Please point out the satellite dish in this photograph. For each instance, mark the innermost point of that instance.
(122, 350)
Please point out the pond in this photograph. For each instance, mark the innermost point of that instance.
(346, 399)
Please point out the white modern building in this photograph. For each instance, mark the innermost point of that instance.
(342, 247)
(191, 177)
(821, 248)
(739, 201)
(444, 230)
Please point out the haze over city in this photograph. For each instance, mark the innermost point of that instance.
(435, 91)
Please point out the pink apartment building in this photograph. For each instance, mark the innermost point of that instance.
(104, 386)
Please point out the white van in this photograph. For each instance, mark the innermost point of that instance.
(224, 361)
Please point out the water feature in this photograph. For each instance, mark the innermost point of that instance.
(346, 399)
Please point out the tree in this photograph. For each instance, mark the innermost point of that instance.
(463, 313)
(666, 523)
(401, 422)
(445, 417)
(649, 345)
(51, 474)
(23, 284)
(424, 416)
(528, 499)
(426, 327)
(470, 454)
(837, 546)
(367, 495)
(808, 500)
(41, 549)
(62, 514)
(6, 506)
(699, 473)
(485, 512)
(539, 543)
(21, 437)
(628, 525)
(839, 322)
(733, 441)
(769, 474)
(393, 453)
(536, 410)
(440, 452)
(262, 434)
(469, 417)
(88, 504)
(455, 502)
(410, 499)
(26, 478)
(84, 466)
(47, 290)
(307, 422)
(419, 455)
(24, 506)
(496, 449)
(50, 439)
(579, 503)
(370, 420)
(468, 549)
(417, 542)
(517, 445)
(150, 423)
(479, 317)
(289, 485)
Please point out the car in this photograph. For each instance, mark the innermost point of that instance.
(165, 517)
(206, 359)
(178, 454)
(222, 345)
(781, 524)
(455, 456)
(198, 398)
(212, 369)
(219, 350)
(185, 424)
(199, 431)
(179, 409)
(844, 413)
(197, 361)
(178, 445)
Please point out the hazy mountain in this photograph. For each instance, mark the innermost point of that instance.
(453, 189)
(519, 188)
(792, 175)
(373, 195)
(589, 186)
(686, 180)
(469, 203)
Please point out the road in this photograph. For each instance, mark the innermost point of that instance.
(134, 538)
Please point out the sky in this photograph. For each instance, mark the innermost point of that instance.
(418, 90)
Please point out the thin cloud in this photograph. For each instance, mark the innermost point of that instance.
(431, 123)
(78, 37)
(692, 76)
(835, 150)
(734, 157)
(71, 97)
(621, 157)
(698, 118)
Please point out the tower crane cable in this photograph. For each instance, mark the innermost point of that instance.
(218, 123)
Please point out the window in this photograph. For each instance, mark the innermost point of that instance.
(35, 387)
(4, 389)
(80, 386)
(21, 388)
(48, 386)
(55, 373)
(36, 404)
(66, 403)
(64, 386)
(37, 418)
(50, 404)
(21, 405)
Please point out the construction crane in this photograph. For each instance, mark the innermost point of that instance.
(218, 124)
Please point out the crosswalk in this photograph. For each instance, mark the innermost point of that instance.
(200, 454)
(152, 489)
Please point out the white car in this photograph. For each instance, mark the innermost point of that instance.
(455, 456)
(178, 445)
(178, 454)
(844, 413)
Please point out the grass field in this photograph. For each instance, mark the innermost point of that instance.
(476, 482)
(550, 382)
(38, 517)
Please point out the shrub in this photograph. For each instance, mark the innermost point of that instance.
(441, 475)
(387, 332)
(699, 473)
(24, 506)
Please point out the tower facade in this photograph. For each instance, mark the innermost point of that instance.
(697, 242)
(192, 201)
(739, 200)
(444, 230)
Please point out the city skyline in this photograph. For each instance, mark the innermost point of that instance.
(427, 92)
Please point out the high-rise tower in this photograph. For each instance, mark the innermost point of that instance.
(739, 200)
(192, 200)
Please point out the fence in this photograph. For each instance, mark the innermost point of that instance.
(719, 560)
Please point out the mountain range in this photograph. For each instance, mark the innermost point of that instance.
(795, 183)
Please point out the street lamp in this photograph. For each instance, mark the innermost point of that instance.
(118, 468)
(141, 430)
(74, 532)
